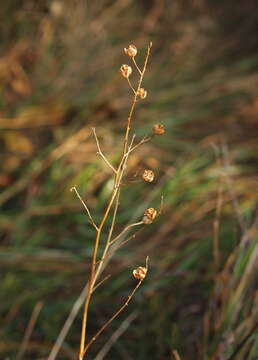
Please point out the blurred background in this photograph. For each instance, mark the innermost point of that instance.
(59, 76)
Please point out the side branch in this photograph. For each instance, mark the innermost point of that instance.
(125, 230)
(113, 317)
(85, 207)
(101, 153)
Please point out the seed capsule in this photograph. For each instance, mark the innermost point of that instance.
(126, 70)
(148, 175)
(142, 93)
(140, 273)
(149, 216)
(158, 129)
(131, 50)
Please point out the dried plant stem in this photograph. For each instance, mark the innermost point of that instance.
(101, 153)
(129, 119)
(136, 65)
(125, 230)
(113, 317)
(131, 86)
(115, 336)
(93, 278)
(101, 282)
(85, 207)
(114, 199)
(143, 141)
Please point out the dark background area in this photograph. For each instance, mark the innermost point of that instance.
(59, 76)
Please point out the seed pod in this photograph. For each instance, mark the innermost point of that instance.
(126, 70)
(142, 93)
(158, 129)
(131, 51)
(148, 175)
(149, 216)
(140, 273)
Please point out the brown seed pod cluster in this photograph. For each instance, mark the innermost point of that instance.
(158, 129)
(140, 273)
(131, 50)
(148, 175)
(126, 70)
(149, 216)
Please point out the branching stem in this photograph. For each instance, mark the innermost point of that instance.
(113, 317)
(114, 199)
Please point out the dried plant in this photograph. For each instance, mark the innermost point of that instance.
(111, 210)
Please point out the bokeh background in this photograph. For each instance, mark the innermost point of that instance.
(59, 76)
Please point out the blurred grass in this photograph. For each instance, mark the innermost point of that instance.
(58, 77)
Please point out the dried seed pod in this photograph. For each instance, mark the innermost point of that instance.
(148, 175)
(142, 93)
(126, 70)
(140, 273)
(158, 129)
(131, 50)
(149, 216)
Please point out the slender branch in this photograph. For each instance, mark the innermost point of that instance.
(115, 336)
(100, 263)
(137, 67)
(129, 119)
(143, 141)
(133, 236)
(85, 206)
(125, 230)
(131, 86)
(113, 317)
(101, 282)
(101, 153)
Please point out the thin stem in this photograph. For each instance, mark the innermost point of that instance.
(113, 317)
(116, 335)
(101, 282)
(137, 67)
(92, 273)
(101, 153)
(85, 206)
(129, 119)
(133, 236)
(131, 86)
(125, 230)
(100, 263)
(143, 141)
(115, 194)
